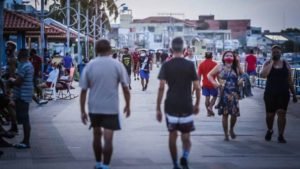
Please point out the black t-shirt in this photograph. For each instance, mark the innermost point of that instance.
(126, 60)
(179, 74)
(164, 56)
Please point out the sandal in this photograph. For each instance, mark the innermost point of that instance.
(232, 134)
(22, 146)
(210, 112)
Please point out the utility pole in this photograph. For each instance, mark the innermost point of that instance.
(87, 37)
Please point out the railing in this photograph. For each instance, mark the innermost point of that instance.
(261, 82)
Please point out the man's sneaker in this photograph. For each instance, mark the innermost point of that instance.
(268, 136)
(184, 163)
(43, 102)
(281, 139)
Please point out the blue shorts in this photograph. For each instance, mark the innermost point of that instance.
(209, 92)
(251, 73)
(144, 74)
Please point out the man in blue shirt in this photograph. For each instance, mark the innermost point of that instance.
(23, 91)
(67, 61)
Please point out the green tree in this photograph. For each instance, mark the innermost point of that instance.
(108, 8)
(291, 30)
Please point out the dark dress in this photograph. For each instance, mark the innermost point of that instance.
(229, 103)
(277, 93)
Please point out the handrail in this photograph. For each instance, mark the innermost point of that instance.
(261, 82)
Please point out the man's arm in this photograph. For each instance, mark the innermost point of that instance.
(84, 117)
(161, 90)
(126, 93)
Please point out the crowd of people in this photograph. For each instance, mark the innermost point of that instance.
(222, 85)
(182, 73)
(23, 80)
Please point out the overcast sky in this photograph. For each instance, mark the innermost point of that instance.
(268, 14)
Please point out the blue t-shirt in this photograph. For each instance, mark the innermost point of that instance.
(67, 62)
(25, 90)
(145, 63)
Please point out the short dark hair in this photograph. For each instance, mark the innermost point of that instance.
(102, 47)
(177, 44)
(208, 55)
(23, 53)
(251, 51)
(32, 51)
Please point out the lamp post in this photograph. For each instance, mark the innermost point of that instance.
(42, 46)
(68, 25)
(78, 35)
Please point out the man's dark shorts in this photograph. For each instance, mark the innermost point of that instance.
(22, 111)
(111, 122)
(252, 73)
(209, 92)
(183, 124)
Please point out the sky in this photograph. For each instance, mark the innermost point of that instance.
(273, 15)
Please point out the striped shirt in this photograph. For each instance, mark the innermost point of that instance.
(25, 91)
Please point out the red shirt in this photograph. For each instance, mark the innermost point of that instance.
(251, 63)
(135, 57)
(204, 68)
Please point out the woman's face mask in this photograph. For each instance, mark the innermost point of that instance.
(228, 58)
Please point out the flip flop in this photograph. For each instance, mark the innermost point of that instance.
(210, 112)
(21, 146)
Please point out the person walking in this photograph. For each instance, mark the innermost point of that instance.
(127, 62)
(136, 58)
(250, 66)
(180, 75)
(279, 85)
(145, 65)
(23, 92)
(228, 72)
(102, 77)
(208, 89)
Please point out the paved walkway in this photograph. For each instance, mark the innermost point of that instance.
(61, 141)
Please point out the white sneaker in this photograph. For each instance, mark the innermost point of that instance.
(43, 101)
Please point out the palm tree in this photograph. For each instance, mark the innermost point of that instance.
(107, 7)
(1, 30)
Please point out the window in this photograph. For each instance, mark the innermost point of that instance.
(158, 38)
(151, 28)
(178, 28)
